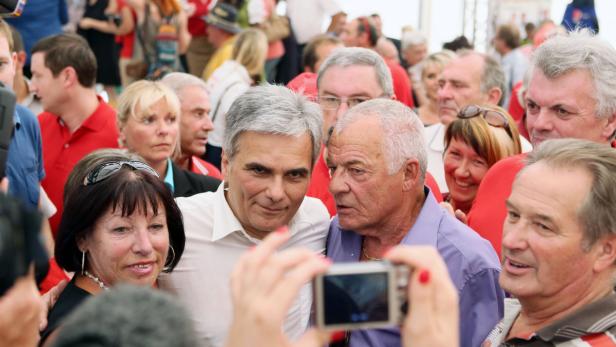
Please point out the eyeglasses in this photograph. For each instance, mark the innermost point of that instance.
(494, 118)
(106, 170)
(333, 103)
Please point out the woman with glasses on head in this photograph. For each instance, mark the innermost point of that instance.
(475, 141)
(148, 119)
(120, 225)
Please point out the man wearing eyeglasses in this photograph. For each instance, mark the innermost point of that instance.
(571, 94)
(470, 78)
(348, 77)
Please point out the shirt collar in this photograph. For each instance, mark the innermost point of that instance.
(437, 142)
(423, 231)
(97, 120)
(169, 176)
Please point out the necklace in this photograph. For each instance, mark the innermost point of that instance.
(96, 280)
(363, 250)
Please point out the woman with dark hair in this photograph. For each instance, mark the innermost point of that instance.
(120, 225)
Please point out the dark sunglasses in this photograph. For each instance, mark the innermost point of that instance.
(106, 170)
(493, 118)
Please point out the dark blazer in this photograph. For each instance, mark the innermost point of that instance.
(187, 183)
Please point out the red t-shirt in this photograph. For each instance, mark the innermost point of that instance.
(488, 212)
(62, 150)
(402, 83)
(202, 167)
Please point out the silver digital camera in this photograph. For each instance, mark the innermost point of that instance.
(363, 295)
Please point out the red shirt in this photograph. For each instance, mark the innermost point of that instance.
(202, 167)
(319, 185)
(402, 83)
(127, 41)
(196, 24)
(488, 213)
(62, 150)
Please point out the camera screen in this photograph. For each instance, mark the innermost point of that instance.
(355, 298)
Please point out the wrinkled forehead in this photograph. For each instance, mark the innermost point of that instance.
(468, 68)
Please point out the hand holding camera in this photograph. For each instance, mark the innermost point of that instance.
(265, 283)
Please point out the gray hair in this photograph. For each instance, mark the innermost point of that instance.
(597, 212)
(402, 131)
(350, 56)
(581, 50)
(492, 75)
(276, 110)
(180, 80)
(412, 38)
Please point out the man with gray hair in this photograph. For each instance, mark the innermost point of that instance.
(195, 122)
(272, 140)
(559, 248)
(571, 94)
(348, 77)
(377, 159)
(470, 78)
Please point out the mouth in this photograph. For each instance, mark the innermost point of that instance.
(272, 211)
(464, 185)
(142, 269)
(515, 267)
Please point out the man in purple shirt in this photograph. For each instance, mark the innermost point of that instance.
(377, 158)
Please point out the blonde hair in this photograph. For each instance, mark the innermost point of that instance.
(143, 94)
(250, 50)
(478, 134)
(5, 30)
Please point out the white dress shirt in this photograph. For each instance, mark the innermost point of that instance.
(215, 240)
(306, 17)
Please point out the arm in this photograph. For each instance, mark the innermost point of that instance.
(184, 34)
(336, 21)
(109, 27)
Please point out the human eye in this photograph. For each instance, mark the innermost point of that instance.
(170, 119)
(356, 101)
(479, 162)
(330, 101)
(531, 107)
(157, 226)
(542, 226)
(562, 113)
(297, 174)
(356, 171)
(147, 120)
(512, 216)
(441, 83)
(120, 230)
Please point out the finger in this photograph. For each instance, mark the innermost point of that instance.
(447, 206)
(277, 267)
(288, 288)
(461, 216)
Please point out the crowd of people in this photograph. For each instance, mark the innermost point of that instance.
(217, 156)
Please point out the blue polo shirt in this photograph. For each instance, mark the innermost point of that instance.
(24, 167)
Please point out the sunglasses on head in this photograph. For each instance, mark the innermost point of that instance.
(492, 117)
(106, 170)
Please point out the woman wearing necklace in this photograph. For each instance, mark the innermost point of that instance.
(121, 225)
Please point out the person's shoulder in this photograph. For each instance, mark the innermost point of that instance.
(197, 202)
(314, 208)
(27, 118)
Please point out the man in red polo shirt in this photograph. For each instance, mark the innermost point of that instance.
(75, 120)
(195, 122)
(571, 94)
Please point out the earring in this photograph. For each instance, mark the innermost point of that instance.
(168, 264)
(83, 262)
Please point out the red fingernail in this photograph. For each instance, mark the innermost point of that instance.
(337, 336)
(387, 251)
(282, 229)
(424, 276)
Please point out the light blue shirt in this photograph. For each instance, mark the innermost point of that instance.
(472, 263)
(169, 176)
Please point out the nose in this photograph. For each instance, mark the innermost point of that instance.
(514, 236)
(344, 106)
(540, 121)
(337, 184)
(207, 124)
(462, 169)
(275, 191)
(142, 244)
(163, 127)
(443, 92)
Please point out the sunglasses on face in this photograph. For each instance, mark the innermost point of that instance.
(106, 170)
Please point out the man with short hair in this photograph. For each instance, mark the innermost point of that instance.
(361, 32)
(559, 248)
(272, 139)
(515, 64)
(571, 94)
(195, 122)
(377, 159)
(76, 121)
(470, 78)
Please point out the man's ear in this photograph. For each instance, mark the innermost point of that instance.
(610, 127)
(606, 253)
(224, 164)
(494, 95)
(69, 76)
(410, 175)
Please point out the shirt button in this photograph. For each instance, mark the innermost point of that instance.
(66, 145)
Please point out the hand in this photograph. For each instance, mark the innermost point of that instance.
(48, 300)
(461, 216)
(433, 319)
(264, 284)
(20, 307)
(189, 9)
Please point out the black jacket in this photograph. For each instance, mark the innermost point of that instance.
(188, 183)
